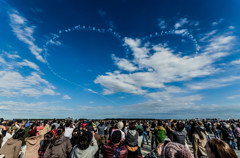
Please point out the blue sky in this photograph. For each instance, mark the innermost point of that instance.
(104, 59)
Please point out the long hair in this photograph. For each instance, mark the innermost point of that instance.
(220, 149)
(59, 133)
(47, 140)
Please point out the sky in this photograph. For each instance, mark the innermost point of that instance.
(119, 59)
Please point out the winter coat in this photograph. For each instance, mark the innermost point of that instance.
(11, 148)
(60, 149)
(32, 146)
(87, 153)
(110, 149)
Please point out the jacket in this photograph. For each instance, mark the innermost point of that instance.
(199, 145)
(87, 153)
(160, 133)
(132, 138)
(110, 149)
(179, 137)
(32, 146)
(11, 148)
(60, 149)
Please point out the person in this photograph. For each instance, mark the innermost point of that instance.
(53, 130)
(216, 148)
(152, 134)
(68, 129)
(160, 133)
(32, 144)
(83, 149)
(75, 136)
(179, 135)
(237, 134)
(145, 132)
(132, 141)
(60, 146)
(44, 144)
(12, 147)
(199, 141)
(139, 129)
(115, 148)
(227, 135)
(170, 150)
(101, 128)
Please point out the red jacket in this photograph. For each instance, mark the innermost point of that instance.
(109, 150)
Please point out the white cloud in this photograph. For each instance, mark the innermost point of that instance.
(90, 90)
(30, 64)
(31, 110)
(124, 64)
(66, 97)
(217, 22)
(214, 83)
(231, 27)
(12, 83)
(24, 33)
(163, 66)
(234, 96)
(181, 22)
(162, 23)
(207, 35)
(91, 102)
(235, 62)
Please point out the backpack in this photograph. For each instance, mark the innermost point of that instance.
(160, 135)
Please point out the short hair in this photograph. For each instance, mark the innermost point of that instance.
(132, 126)
(116, 137)
(19, 134)
(180, 126)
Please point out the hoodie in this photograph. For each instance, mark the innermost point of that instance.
(87, 153)
(11, 148)
(60, 149)
(132, 138)
(33, 144)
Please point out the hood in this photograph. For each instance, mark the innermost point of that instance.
(33, 140)
(11, 141)
(80, 153)
(60, 140)
(160, 128)
(132, 132)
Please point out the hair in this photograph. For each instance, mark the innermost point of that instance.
(180, 126)
(19, 134)
(220, 149)
(238, 125)
(59, 133)
(83, 141)
(47, 140)
(140, 131)
(53, 127)
(116, 137)
(68, 123)
(120, 125)
(132, 126)
(159, 123)
(196, 129)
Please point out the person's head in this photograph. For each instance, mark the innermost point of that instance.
(53, 127)
(32, 132)
(172, 150)
(84, 140)
(19, 134)
(159, 123)
(216, 148)
(238, 125)
(132, 126)
(180, 126)
(68, 123)
(120, 125)
(76, 133)
(116, 137)
(60, 131)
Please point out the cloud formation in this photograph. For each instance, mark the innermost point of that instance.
(24, 32)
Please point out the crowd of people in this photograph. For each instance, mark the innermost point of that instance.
(119, 138)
